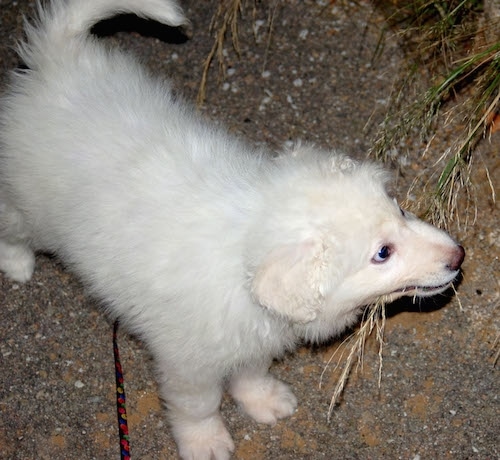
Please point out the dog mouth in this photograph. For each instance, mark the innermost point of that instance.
(422, 291)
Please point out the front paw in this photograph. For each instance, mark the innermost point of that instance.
(203, 440)
(16, 261)
(265, 399)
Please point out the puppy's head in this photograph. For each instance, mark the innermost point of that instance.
(331, 240)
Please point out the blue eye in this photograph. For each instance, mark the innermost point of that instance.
(382, 255)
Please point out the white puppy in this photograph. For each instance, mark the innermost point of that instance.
(218, 256)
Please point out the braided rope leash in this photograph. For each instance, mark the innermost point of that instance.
(121, 406)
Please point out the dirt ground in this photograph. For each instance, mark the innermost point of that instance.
(315, 80)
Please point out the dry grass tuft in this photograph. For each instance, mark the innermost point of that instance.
(225, 22)
(373, 320)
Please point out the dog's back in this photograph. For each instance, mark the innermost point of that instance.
(114, 137)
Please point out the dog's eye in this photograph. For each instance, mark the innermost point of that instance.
(403, 213)
(382, 255)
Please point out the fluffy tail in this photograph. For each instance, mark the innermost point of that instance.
(62, 22)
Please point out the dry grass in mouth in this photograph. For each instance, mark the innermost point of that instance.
(373, 320)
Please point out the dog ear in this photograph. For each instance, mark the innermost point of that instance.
(292, 280)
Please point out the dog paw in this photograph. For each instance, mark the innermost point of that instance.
(265, 399)
(204, 440)
(16, 261)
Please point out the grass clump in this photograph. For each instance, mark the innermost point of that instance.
(224, 21)
(224, 26)
(454, 46)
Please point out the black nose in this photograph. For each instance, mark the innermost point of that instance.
(457, 258)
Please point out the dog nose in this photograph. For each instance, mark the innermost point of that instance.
(457, 258)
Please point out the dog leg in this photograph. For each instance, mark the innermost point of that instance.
(17, 260)
(261, 396)
(193, 411)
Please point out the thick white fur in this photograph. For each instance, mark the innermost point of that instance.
(217, 255)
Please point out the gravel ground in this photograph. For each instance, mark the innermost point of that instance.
(315, 80)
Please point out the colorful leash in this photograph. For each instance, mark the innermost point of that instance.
(121, 401)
